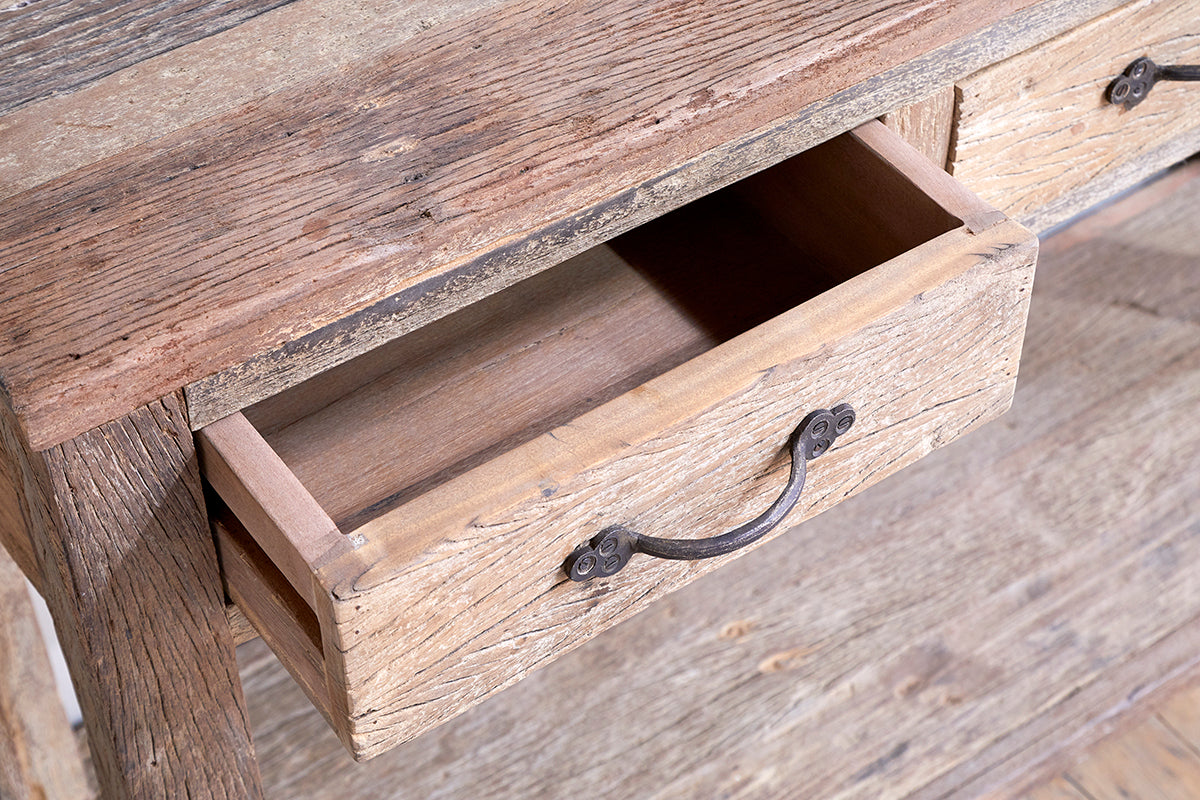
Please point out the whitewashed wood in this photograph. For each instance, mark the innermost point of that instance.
(1035, 136)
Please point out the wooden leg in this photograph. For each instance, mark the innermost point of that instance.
(129, 571)
(39, 759)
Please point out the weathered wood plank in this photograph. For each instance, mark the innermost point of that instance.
(927, 124)
(635, 461)
(293, 43)
(1182, 713)
(1057, 789)
(14, 538)
(270, 372)
(130, 575)
(1049, 741)
(484, 380)
(1151, 762)
(526, 360)
(470, 185)
(1100, 337)
(1073, 596)
(38, 756)
(275, 610)
(282, 516)
(239, 627)
(1135, 760)
(1035, 136)
(50, 47)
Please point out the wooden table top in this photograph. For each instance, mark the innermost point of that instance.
(232, 197)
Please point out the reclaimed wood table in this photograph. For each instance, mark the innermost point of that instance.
(205, 204)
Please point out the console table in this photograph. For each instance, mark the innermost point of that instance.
(219, 220)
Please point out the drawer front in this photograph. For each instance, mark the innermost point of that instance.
(1035, 136)
(461, 590)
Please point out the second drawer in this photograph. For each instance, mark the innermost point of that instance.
(1036, 137)
(400, 524)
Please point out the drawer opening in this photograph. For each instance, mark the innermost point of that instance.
(402, 520)
(382, 429)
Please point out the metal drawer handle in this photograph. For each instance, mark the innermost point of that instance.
(610, 550)
(1131, 86)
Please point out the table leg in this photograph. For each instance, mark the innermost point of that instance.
(117, 521)
(39, 759)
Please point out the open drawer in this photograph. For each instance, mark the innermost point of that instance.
(397, 528)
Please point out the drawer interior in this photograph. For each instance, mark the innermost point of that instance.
(382, 429)
(396, 526)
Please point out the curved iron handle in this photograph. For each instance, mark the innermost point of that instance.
(610, 550)
(1131, 86)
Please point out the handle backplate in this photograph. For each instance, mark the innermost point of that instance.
(609, 551)
(1135, 82)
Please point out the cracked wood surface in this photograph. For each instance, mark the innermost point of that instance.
(39, 759)
(129, 571)
(925, 348)
(1009, 597)
(1035, 136)
(316, 219)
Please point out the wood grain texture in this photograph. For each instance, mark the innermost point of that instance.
(1151, 762)
(957, 303)
(291, 44)
(934, 183)
(281, 616)
(482, 381)
(799, 669)
(130, 575)
(927, 124)
(530, 360)
(1035, 136)
(216, 396)
(50, 47)
(38, 756)
(1147, 756)
(526, 360)
(1058, 789)
(239, 627)
(1182, 713)
(292, 529)
(14, 537)
(437, 229)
